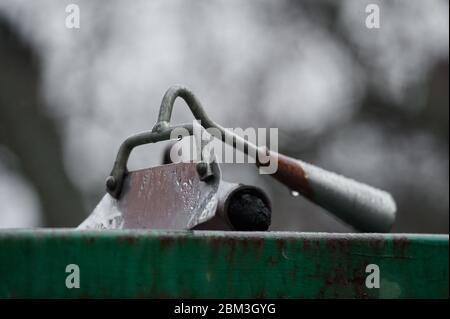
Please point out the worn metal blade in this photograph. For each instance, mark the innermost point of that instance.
(163, 197)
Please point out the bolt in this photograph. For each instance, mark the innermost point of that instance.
(111, 183)
(202, 170)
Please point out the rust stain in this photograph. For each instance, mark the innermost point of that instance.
(308, 244)
(227, 243)
(401, 245)
(291, 174)
(377, 245)
(90, 240)
(230, 246)
(340, 245)
(260, 295)
(341, 279)
(359, 284)
(281, 243)
(130, 240)
(166, 242)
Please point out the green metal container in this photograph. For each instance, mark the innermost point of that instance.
(205, 264)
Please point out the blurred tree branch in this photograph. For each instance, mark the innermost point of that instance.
(27, 131)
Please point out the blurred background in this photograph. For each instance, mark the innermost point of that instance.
(371, 104)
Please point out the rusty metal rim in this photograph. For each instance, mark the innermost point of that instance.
(20, 232)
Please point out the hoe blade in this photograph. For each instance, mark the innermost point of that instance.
(164, 197)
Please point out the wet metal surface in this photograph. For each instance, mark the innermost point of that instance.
(173, 197)
(170, 196)
(205, 264)
(167, 197)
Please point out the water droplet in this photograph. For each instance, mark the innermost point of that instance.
(295, 193)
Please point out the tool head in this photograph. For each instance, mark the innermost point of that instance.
(164, 197)
(173, 196)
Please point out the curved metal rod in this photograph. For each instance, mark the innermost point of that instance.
(165, 114)
(115, 179)
(165, 111)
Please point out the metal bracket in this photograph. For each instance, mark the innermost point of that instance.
(162, 131)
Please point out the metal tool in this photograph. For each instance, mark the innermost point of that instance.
(365, 208)
(177, 196)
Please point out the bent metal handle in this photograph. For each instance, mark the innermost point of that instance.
(115, 179)
(364, 207)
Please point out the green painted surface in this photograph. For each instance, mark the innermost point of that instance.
(155, 264)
